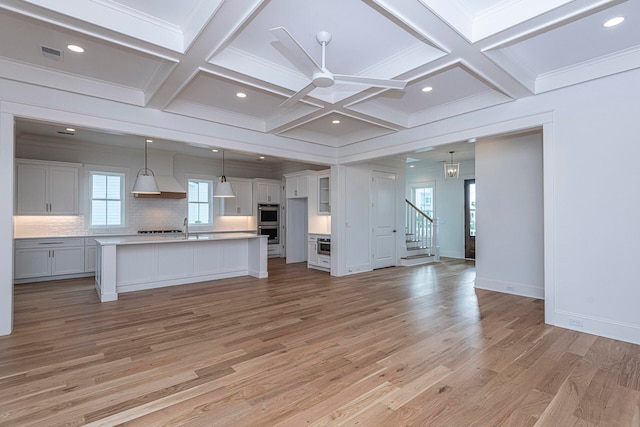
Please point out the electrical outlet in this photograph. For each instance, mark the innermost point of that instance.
(576, 322)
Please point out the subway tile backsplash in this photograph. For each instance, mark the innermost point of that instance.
(143, 214)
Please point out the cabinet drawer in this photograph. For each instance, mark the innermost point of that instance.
(273, 250)
(48, 243)
(324, 261)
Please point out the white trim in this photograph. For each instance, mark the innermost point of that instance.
(521, 289)
(104, 170)
(598, 326)
(548, 192)
(208, 180)
(7, 130)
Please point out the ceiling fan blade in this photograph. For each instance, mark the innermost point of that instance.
(295, 53)
(369, 81)
(298, 96)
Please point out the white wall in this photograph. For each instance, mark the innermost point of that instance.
(449, 203)
(509, 215)
(353, 227)
(597, 135)
(6, 223)
(357, 228)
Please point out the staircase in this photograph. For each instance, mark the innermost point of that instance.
(420, 236)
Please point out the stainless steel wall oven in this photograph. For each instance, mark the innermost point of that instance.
(324, 246)
(269, 222)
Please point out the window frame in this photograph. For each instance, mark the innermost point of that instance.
(95, 170)
(424, 185)
(210, 181)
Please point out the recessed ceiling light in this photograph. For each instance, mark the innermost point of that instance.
(215, 150)
(613, 22)
(261, 157)
(427, 89)
(75, 48)
(150, 141)
(70, 130)
(241, 95)
(412, 166)
(335, 122)
(471, 140)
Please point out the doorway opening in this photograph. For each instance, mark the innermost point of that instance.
(470, 218)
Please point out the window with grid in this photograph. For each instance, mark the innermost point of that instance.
(107, 204)
(200, 201)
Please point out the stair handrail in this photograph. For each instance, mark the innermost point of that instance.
(419, 210)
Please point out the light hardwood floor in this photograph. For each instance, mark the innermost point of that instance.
(397, 346)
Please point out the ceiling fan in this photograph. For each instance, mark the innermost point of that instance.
(319, 75)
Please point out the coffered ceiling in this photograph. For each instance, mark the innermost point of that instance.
(192, 57)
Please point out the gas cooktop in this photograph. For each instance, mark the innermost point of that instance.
(159, 231)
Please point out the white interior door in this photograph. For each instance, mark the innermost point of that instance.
(383, 212)
(297, 226)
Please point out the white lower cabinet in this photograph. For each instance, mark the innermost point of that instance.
(89, 255)
(31, 263)
(67, 261)
(37, 258)
(312, 253)
(314, 259)
(273, 250)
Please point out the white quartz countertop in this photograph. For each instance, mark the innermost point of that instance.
(104, 236)
(139, 240)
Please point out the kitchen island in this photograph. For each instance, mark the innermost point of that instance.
(133, 263)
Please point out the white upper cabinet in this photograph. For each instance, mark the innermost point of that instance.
(268, 192)
(46, 188)
(297, 186)
(242, 204)
(324, 195)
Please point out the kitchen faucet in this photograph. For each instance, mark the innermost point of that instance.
(186, 228)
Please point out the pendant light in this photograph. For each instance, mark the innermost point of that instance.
(223, 188)
(145, 179)
(451, 170)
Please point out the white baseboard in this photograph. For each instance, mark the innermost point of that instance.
(520, 289)
(359, 268)
(407, 262)
(50, 278)
(452, 254)
(598, 326)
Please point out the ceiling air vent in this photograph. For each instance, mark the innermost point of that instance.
(51, 53)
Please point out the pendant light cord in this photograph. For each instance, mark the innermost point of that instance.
(223, 178)
(145, 156)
